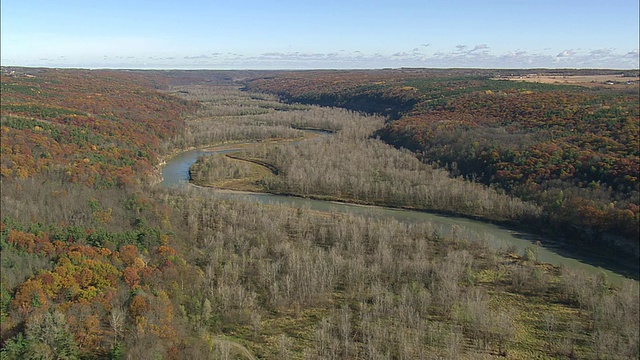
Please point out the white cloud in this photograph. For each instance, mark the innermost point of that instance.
(566, 53)
(480, 47)
(197, 57)
(477, 56)
(461, 48)
(600, 52)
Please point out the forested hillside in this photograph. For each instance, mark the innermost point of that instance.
(100, 262)
(571, 149)
(84, 250)
(92, 127)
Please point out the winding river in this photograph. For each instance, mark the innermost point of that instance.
(176, 173)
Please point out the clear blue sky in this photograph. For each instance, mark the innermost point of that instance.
(288, 34)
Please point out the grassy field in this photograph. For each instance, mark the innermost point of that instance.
(234, 172)
(606, 81)
(244, 175)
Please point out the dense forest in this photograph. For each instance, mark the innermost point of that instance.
(348, 166)
(98, 261)
(574, 150)
(86, 127)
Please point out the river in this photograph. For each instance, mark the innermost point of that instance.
(176, 173)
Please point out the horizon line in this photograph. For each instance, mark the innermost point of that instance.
(307, 69)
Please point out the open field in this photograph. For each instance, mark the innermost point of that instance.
(607, 81)
(239, 174)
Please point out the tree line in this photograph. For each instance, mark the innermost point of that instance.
(352, 166)
(570, 149)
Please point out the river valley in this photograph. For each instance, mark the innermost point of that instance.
(176, 173)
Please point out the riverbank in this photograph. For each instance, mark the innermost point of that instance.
(222, 146)
(451, 196)
(418, 268)
(503, 234)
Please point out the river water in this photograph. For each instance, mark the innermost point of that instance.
(176, 173)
